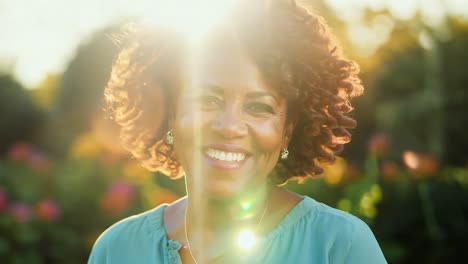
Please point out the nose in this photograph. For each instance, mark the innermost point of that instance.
(229, 123)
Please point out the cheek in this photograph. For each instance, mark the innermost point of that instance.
(268, 137)
(188, 123)
(183, 127)
(188, 128)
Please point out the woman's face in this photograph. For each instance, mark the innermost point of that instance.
(229, 125)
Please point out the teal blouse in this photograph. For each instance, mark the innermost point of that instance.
(310, 233)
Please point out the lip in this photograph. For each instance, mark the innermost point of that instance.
(225, 165)
(227, 148)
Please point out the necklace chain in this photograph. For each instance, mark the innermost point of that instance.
(186, 234)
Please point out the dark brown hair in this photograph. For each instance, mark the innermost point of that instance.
(293, 49)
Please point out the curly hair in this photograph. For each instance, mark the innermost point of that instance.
(294, 50)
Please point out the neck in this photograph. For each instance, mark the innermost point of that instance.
(211, 224)
(221, 215)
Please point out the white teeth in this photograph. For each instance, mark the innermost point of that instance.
(225, 156)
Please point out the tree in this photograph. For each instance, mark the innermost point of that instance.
(79, 93)
(20, 117)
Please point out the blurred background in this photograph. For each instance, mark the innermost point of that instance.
(64, 177)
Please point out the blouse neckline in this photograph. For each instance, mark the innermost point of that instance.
(303, 207)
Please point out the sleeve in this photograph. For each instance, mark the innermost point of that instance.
(364, 247)
(99, 251)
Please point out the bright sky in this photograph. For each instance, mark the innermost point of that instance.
(41, 36)
(367, 37)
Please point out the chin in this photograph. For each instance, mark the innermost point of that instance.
(222, 190)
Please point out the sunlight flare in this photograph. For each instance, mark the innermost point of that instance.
(246, 240)
(191, 18)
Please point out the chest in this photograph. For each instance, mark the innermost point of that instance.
(275, 253)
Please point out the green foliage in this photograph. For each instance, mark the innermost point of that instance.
(418, 93)
(51, 211)
(44, 94)
(79, 93)
(454, 67)
(416, 220)
(20, 117)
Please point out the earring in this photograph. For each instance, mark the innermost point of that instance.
(284, 154)
(170, 137)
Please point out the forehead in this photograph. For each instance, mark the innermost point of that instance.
(222, 60)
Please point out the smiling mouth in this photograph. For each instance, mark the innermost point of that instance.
(225, 155)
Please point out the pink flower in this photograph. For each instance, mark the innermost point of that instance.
(118, 197)
(38, 161)
(48, 210)
(19, 151)
(3, 199)
(379, 144)
(20, 212)
(122, 188)
(35, 158)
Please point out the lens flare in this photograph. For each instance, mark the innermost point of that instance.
(246, 206)
(191, 18)
(246, 240)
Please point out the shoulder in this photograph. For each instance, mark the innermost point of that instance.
(140, 224)
(131, 232)
(322, 214)
(325, 222)
(344, 219)
(350, 239)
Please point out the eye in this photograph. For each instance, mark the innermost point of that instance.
(210, 101)
(259, 108)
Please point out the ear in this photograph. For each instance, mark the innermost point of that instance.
(288, 131)
(171, 117)
(170, 124)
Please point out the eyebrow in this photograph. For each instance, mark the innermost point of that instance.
(213, 88)
(251, 95)
(262, 94)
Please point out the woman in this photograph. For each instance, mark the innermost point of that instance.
(254, 104)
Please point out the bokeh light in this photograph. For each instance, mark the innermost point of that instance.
(246, 240)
